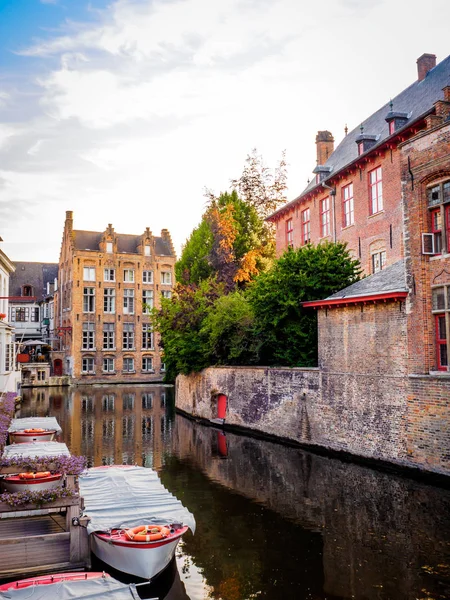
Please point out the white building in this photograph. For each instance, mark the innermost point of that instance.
(9, 372)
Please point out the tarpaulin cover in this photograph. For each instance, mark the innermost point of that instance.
(49, 423)
(32, 449)
(118, 498)
(104, 587)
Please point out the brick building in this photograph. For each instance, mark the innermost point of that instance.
(108, 283)
(355, 195)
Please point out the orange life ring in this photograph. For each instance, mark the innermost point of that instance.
(147, 533)
(39, 475)
(36, 430)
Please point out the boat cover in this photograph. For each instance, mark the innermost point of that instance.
(119, 498)
(104, 587)
(49, 423)
(32, 449)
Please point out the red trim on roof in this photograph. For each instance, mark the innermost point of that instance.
(368, 299)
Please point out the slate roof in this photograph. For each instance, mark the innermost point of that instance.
(389, 280)
(126, 243)
(416, 100)
(35, 274)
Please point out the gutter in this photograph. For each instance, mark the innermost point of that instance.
(353, 300)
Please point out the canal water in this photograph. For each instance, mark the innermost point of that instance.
(273, 522)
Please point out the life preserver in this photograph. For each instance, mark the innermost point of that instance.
(39, 475)
(147, 533)
(36, 430)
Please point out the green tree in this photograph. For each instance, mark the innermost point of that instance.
(287, 332)
(193, 265)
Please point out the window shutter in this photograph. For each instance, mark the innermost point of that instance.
(428, 246)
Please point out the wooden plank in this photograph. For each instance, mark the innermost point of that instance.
(21, 572)
(11, 528)
(33, 551)
(59, 503)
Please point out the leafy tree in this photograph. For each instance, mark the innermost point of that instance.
(287, 332)
(229, 331)
(179, 321)
(194, 265)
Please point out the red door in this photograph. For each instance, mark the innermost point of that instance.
(221, 406)
(222, 444)
(57, 367)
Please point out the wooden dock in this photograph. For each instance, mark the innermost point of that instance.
(37, 541)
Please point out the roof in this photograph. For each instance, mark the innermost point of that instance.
(416, 100)
(126, 243)
(35, 274)
(387, 284)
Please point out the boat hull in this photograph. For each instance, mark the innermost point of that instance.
(15, 484)
(19, 437)
(144, 560)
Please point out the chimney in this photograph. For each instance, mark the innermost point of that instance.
(325, 146)
(69, 220)
(424, 64)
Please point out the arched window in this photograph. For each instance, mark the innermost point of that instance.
(27, 290)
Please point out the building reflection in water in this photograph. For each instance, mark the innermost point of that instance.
(108, 424)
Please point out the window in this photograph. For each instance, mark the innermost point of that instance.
(166, 294)
(147, 250)
(147, 364)
(109, 247)
(87, 365)
(88, 336)
(306, 226)
(163, 367)
(9, 357)
(109, 275)
(128, 365)
(147, 300)
(375, 191)
(166, 277)
(147, 337)
(27, 290)
(147, 276)
(109, 300)
(147, 401)
(438, 240)
(128, 401)
(325, 217)
(289, 234)
(35, 315)
(88, 299)
(348, 215)
(89, 273)
(441, 311)
(128, 275)
(378, 261)
(128, 302)
(128, 336)
(109, 336)
(108, 365)
(20, 314)
(391, 127)
(108, 403)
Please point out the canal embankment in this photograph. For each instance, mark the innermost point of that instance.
(371, 418)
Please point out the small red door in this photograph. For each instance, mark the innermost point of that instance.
(57, 367)
(221, 406)
(222, 444)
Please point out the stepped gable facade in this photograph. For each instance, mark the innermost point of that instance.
(108, 284)
(355, 195)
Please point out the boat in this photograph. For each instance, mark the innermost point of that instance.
(66, 586)
(33, 429)
(49, 579)
(32, 481)
(135, 523)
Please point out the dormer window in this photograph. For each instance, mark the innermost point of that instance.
(109, 247)
(27, 290)
(396, 120)
(147, 250)
(322, 172)
(365, 142)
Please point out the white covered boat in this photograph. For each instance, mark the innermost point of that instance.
(33, 429)
(33, 481)
(67, 586)
(135, 523)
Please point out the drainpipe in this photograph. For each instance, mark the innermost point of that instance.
(333, 204)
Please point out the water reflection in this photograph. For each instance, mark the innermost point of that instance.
(272, 521)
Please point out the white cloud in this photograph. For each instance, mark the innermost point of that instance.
(135, 113)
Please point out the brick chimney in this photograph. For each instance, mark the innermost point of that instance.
(325, 146)
(424, 64)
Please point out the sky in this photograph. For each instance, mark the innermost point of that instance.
(125, 111)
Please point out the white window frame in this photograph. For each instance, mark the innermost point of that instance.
(88, 360)
(128, 275)
(109, 274)
(108, 365)
(149, 300)
(109, 300)
(145, 361)
(128, 301)
(147, 277)
(128, 360)
(89, 300)
(166, 275)
(88, 273)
